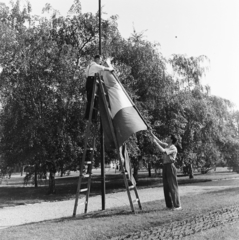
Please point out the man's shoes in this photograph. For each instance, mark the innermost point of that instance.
(169, 208)
(177, 208)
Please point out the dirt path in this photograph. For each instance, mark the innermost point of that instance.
(12, 216)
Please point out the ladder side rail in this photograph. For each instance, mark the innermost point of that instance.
(85, 147)
(108, 115)
(89, 170)
(137, 197)
(125, 180)
(89, 124)
(116, 144)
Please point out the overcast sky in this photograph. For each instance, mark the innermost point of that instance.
(191, 27)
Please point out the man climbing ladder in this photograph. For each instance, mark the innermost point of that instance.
(93, 68)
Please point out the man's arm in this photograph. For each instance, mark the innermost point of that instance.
(158, 141)
(159, 146)
(109, 69)
(100, 67)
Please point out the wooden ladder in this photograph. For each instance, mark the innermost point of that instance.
(98, 87)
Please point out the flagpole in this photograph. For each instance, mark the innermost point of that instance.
(100, 49)
(102, 140)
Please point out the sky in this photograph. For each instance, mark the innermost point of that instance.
(191, 27)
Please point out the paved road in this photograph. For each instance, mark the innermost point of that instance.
(12, 216)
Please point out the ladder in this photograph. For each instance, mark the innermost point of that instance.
(98, 87)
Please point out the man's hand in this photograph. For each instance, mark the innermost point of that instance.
(109, 69)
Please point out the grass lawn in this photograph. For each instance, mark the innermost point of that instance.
(104, 225)
(12, 195)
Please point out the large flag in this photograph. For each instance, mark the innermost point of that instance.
(126, 119)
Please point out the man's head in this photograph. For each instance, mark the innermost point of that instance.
(97, 59)
(172, 139)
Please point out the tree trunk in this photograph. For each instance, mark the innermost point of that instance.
(149, 169)
(22, 170)
(52, 186)
(136, 174)
(35, 177)
(190, 170)
(62, 171)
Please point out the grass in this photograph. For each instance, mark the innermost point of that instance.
(13, 195)
(228, 232)
(115, 222)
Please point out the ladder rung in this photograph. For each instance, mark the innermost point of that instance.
(136, 200)
(84, 190)
(131, 187)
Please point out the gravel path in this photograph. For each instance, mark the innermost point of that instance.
(12, 216)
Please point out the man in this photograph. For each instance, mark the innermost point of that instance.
(90, 72)
(170, 183)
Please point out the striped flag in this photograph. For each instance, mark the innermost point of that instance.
(126, 119)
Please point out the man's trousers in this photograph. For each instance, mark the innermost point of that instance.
(170, 186)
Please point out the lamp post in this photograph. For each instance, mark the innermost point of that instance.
(102, 140)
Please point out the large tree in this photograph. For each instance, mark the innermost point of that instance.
(42, 85)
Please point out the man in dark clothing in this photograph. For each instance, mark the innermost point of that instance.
(170, 183)
(93, 68)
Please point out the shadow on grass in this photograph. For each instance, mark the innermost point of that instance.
(154, 207)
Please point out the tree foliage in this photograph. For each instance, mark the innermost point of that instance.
(42, 87)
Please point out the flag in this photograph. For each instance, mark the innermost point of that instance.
(126, 119)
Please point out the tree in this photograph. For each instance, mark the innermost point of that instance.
(42, 85)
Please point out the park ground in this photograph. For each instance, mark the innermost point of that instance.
(210, 210)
